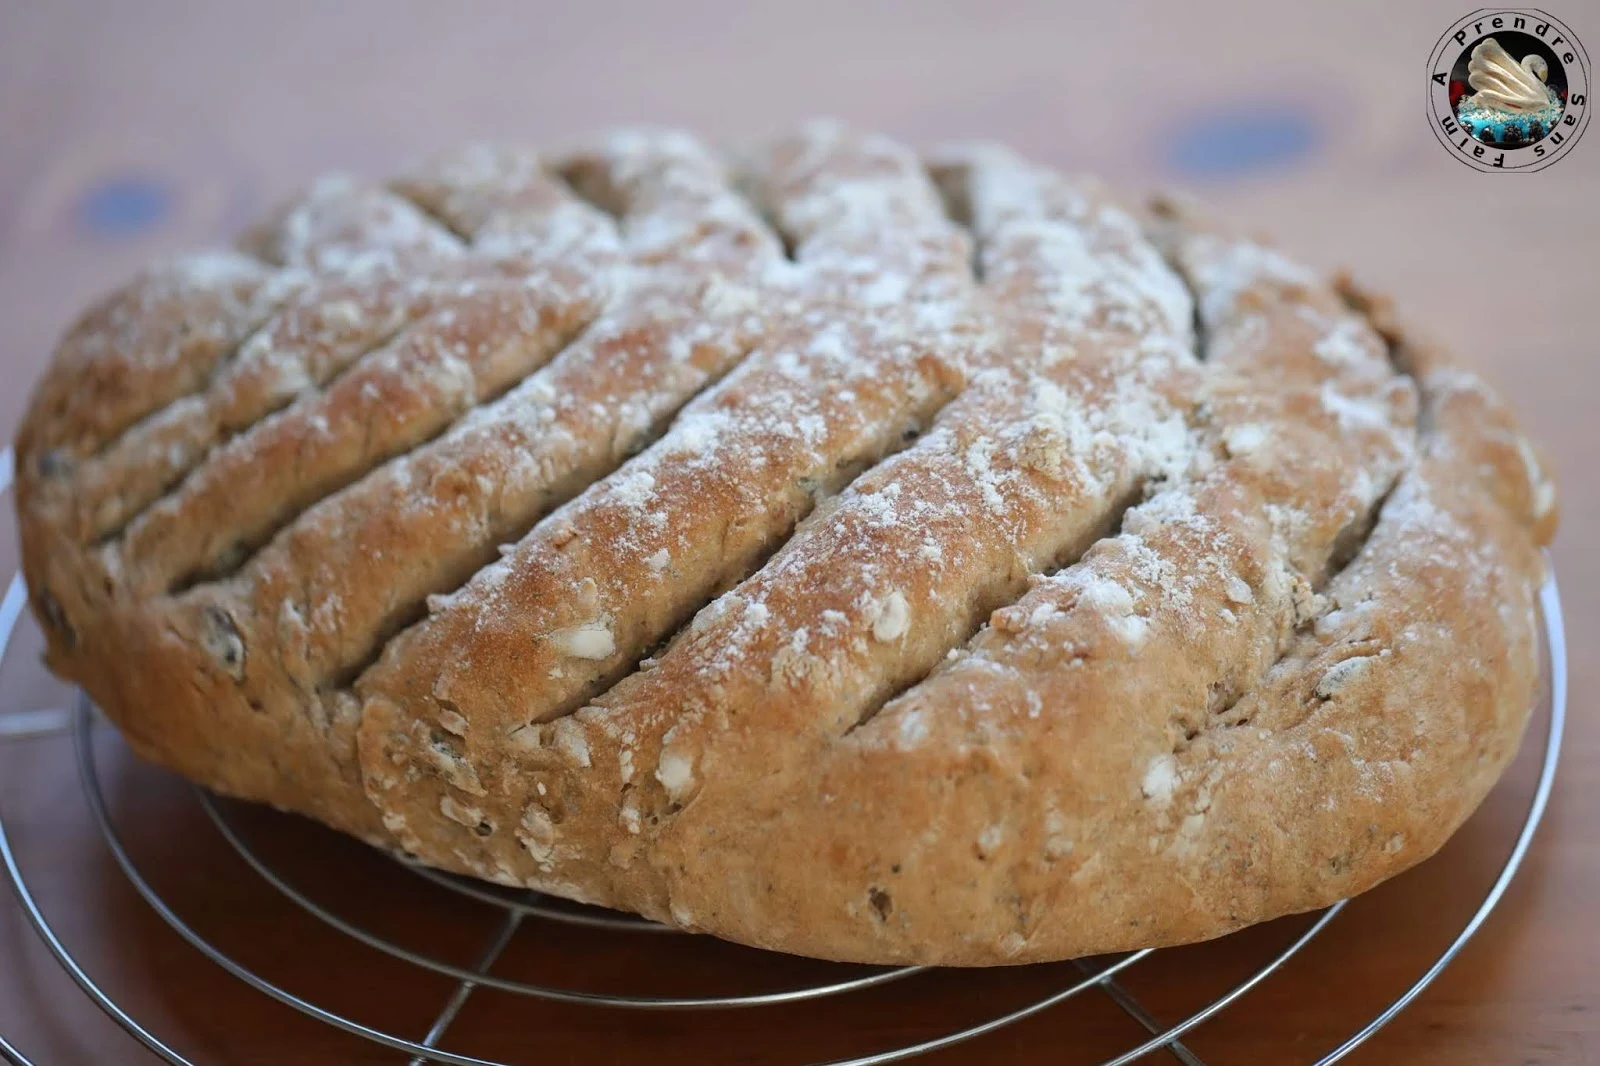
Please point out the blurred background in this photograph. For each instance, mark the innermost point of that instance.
(131, 130)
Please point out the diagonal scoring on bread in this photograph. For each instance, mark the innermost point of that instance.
(477, 342)
(1030, 465)
(481, 335)
(1189, 603)
(328, 589)
(672, 328)
(341, 305)
(681, 317)
(1044, 449)
(830, 390)
(1051, 766)
(425, 523)
(107, 428)
(137, 350)
(1468, 417)
(896, 563)
(162, 337)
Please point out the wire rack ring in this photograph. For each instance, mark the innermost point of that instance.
(518, 908)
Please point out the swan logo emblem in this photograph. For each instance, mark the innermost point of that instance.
(1508, 89)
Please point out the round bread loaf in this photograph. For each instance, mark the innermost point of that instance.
(843, 552)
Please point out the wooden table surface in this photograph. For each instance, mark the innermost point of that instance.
(135, 129)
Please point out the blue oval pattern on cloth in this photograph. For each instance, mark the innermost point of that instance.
(124, 206)
(1242, 141)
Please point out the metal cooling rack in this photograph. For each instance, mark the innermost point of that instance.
(521, 911)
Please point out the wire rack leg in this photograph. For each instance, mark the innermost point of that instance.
(41, 926)
(25, 725)
(458, 998)
(9, 1053)
(1135, 1010)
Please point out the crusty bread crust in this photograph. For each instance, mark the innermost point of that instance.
(836, 552)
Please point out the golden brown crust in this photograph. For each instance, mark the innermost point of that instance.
(1011, 580)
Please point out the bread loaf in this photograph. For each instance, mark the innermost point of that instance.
(879, 558)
